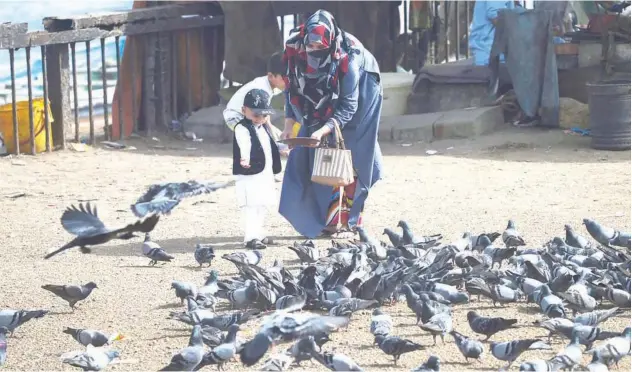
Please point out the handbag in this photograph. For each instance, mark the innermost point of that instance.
(333, 166)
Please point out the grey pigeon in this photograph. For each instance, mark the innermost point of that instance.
(12, 319)
(162, 198)
(222, 353)
(488, 326)
(574, 239)
(409, 238)
(243, 296)
(84, 223)
(586, 335)
(244, 258)
(226, 321)
(91, 337)
(511, 350)
(511, 237)
(301, 350)
(204, 254)
(540, 365)
(93, 359)
(615, 349)
(438, 325)
(395, 238)
(433, 364)
(381, 323)
(336, 362)
(212, 336)
(189, 357)
(3, 345)
(571, 356)
(596, 365)
(154, 252)
(468, 347)
(579, 301)
(396, 346)
(184, 290)
(306, 251)
(605, 235)
(618, 297)
(550, 305)
(276, 363)
(595, 317)
(71, 293)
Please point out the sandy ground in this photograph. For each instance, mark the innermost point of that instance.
(541, 179)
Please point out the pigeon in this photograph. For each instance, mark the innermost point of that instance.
(579, 301)
(381, 323)
(91, 337)
(395, 238)
(244, 258)
(511, 237)
(189, 357)
(396, 346)
(596, 365)
(276, 363)
(162, 198)
(488, 326)
(154, 252)
(511, 350)
(595, 317)
(550, 305)
(468, 347)
(286, 326)
(93, 359)
(440, 324)
(571, 356)
(540, 365)
(409, 238)
(204, 254)
(306, 251)
(184, 290)
(212, 336)
(71, 293)
(336, 362)
(3, 345)
(226, 321)
(90, 230)
(301, 350)
(614, 349)
(222, 353)
(605, 235)
(12, 319)
(574, 239)
(433, 364)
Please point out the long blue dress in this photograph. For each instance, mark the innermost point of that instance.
(482, 29)
(304, 203)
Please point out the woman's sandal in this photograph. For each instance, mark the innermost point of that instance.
(335, 233)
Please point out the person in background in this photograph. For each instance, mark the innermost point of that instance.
(256, 160)
(483, 27)
(332, 80)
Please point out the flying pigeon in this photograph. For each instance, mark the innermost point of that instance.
(162, 198)
(84, 223)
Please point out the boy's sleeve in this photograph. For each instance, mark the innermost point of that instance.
(243, 141)
(348, 99)
(232, 117)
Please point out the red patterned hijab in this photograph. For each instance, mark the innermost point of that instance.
(313, 77)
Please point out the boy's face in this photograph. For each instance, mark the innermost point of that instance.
(276, 81)
(255, 118)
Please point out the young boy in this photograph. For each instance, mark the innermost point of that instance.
(256, 160)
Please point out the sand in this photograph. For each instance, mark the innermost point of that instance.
(541, 179)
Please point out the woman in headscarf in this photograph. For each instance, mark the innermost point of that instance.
(331, 79)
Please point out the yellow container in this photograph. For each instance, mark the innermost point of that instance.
(39, 126)
(295, 128)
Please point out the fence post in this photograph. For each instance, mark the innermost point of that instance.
(58, 77)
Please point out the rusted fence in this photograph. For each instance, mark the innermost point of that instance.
(160, 29)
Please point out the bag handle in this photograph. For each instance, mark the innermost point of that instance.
(340, 141)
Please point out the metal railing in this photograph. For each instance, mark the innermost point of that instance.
(158, 29)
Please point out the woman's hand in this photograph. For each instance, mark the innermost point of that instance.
(244, 163)
(322, 132)
(287, 129)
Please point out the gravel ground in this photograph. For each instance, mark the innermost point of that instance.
(540, 179)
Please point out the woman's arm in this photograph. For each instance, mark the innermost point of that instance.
(243, 141)
(289, 112)
(348, 100)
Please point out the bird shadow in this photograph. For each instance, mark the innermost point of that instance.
(60, 312)
(383, 365)
(168, 337)
(172, 305)
(142, 266)
(527, 310)
(196, 268)
(177, 330)
(461, 363)
(365, 347)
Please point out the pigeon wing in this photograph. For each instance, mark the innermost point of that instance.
(83, 221)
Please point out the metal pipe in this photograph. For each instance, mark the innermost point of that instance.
(74, 89)
(119, 97)
(47, 129)
(405, 60)
(188, 70)
(174, 75)
(106, 116)
(446, 15)
(92, 139)
(134, 63)
(30, 89)
(282, 29)
(467, 32)
(16, 134)
(202, 69)
(458, 31)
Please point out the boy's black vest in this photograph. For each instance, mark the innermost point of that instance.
(257, 157)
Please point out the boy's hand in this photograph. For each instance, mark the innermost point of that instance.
(284, 153)
(244, 163)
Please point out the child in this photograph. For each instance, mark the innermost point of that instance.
(256, 160)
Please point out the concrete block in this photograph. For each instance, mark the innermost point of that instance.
(208, 123)
(414, 128)
(385, 132)
(468, 123)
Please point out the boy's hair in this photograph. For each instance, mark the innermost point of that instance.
(276, 65)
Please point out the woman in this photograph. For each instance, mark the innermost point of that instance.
(331, 80)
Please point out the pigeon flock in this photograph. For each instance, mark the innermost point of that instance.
(296, 312)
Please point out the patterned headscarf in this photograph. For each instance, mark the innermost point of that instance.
(313, 78)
